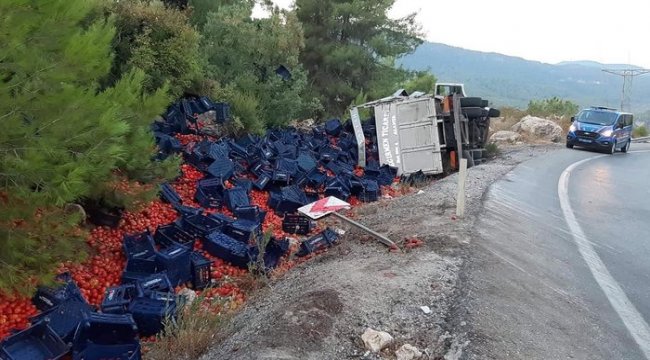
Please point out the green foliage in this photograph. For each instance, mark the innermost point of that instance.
(158, 40)
(492, 149)
(350, 46)
(242, 55)
(553, 106)
(63, 138)
(640, 131)
(423, 81)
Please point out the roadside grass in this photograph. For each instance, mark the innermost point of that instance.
(640, 131)
(191, 334)
(492, 150)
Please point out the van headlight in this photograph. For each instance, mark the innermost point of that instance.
(572, 128)
(607, 132)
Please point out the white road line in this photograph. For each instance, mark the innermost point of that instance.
(631, 317)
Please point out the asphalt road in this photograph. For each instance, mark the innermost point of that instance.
(564, 279)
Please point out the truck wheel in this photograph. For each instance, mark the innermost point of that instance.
(472, 112)
(484, 103)
(470, 160)
(493, 113)
(470, 102)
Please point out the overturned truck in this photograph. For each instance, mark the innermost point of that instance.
(428, 132)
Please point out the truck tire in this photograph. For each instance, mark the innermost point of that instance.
(472, 112)
(470, 160)
(484, 103)
(493, 113)
(470, 102)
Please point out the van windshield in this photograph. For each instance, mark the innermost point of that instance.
(597, 117)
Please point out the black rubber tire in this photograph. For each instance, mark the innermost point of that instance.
(470, 102)
(484, 103)
(612, 150)
(494, 113)
(468, 156)
(626, 148)
(484, 113)
(472, 112)
(569, 146)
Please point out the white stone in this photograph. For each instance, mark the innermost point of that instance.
(505, 137)
(538, 128)
(408, 352)
(425, 309)
(375, 340)
(189, 295)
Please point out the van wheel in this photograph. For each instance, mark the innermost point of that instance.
(626, 148)
(612, 150)
(569, 146)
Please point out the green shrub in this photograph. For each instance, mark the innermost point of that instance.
(553, 106)
(640, 131)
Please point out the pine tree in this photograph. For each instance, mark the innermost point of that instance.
(63, 139)
(350, 47)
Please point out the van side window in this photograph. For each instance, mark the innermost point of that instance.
(630, 120)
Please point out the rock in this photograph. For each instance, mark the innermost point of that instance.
(189, 295)
(375, 340)
(505, 137)
(425, 309)
(538, 128)
(408, 352)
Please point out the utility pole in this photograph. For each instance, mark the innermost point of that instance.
(628, 75)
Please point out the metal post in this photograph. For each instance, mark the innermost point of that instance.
(384, 240)
(457, 126)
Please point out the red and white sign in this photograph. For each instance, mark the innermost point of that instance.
(322, 207)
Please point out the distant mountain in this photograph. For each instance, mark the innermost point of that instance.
(508, 80)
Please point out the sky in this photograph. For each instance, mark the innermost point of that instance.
(550, 31)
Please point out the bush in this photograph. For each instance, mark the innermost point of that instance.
(640, 131)
(492, 150)
(552, 107)
(158, 40)
(64, 139)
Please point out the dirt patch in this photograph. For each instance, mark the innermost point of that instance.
(319, 310)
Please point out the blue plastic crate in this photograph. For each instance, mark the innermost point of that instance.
(139, 246)
(222, 169)
(187, 210)
(142, 265)
(47, 297)
(65, 318)
(209, 193)
(130, 277)
(316, 178)
(173, 234)
(238, 151)
(109, 352)
(223, 112)
(251, 213)
(168, 194)
(325, 239)
(333, 127)
(243, 230)
(260, 167)
(306, 162)
(36, 342)
(281, 177)
(288, 166)
(236, 197)
(201, 274)
(206, 104)
(297, 224)
(154, 283)
(117, 298)
(371, 191)
(262, 181)
(100, 336)
(221, 218)
(244, 183)
(218, 151)
(200, 225)
(228, 249)
(150, 314)
(275, 250)
(175, 259)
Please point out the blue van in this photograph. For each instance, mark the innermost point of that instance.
(601, 128)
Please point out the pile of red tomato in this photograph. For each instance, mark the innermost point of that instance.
(104, 265)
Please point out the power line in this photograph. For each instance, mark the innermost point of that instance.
(628, 76)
